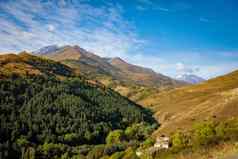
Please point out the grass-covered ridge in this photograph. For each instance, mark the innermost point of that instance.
(180, 108)
(25, 64)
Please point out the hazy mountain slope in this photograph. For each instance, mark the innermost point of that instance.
(190, 78)
(132, 81)
(141, 75)
(47, 49)
(179, 108)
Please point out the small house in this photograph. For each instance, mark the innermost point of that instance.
(162, 142)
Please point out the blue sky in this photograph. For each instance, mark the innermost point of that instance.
(170, 36)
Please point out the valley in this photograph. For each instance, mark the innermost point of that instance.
(117, 79)
(84, 82)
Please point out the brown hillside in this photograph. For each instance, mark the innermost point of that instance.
(181, 107)
(25, 64)
(129, 80)
(143, 76)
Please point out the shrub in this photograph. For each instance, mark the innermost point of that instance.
(70, 138)
(130, 154)
(115, 136)
(204, 134)
(22, 141)
(117, 155)
(148, 143)
(51, 149)
(96, 153)
(110, 149)
(179, 141)
(139, 131)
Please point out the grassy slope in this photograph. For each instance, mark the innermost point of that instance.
(181, 107)
(25, 64)
(222, 151)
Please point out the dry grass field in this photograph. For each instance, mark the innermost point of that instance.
(180, 108)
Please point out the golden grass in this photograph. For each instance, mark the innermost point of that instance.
(181, 107)
(222, 151)
(25, 64)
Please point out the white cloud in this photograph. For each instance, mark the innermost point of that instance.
(181, 68)
(149, 4)
(102, 30)
(51, 28)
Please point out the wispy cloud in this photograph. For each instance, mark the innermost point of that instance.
(181, 68)
(149, 4)
(30, 24)
(205, 20)
(163, 9)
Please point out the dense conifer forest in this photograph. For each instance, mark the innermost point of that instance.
(45, 117)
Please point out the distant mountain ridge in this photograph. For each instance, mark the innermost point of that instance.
(190, 78)
(47, 49)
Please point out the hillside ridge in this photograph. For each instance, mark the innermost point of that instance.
(179, 108)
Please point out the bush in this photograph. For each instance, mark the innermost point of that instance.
(204, 134)
(139, 131)
(117, 155)
(230, 129)
(22, 141)
(179, 141)
(130, 154)
(82, 150)
(115, 136)
(148, 143)
(110, 149)
(96, 153)
(70, 138)
(51, 149)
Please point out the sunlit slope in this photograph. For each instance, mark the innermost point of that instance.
(129, 80)
(25, 64)
(180, 108)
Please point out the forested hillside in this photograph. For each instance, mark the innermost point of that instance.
(46, 117)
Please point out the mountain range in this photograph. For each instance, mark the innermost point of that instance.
(176, 104)
(130, 80)
(190, 78)
(62, 85)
